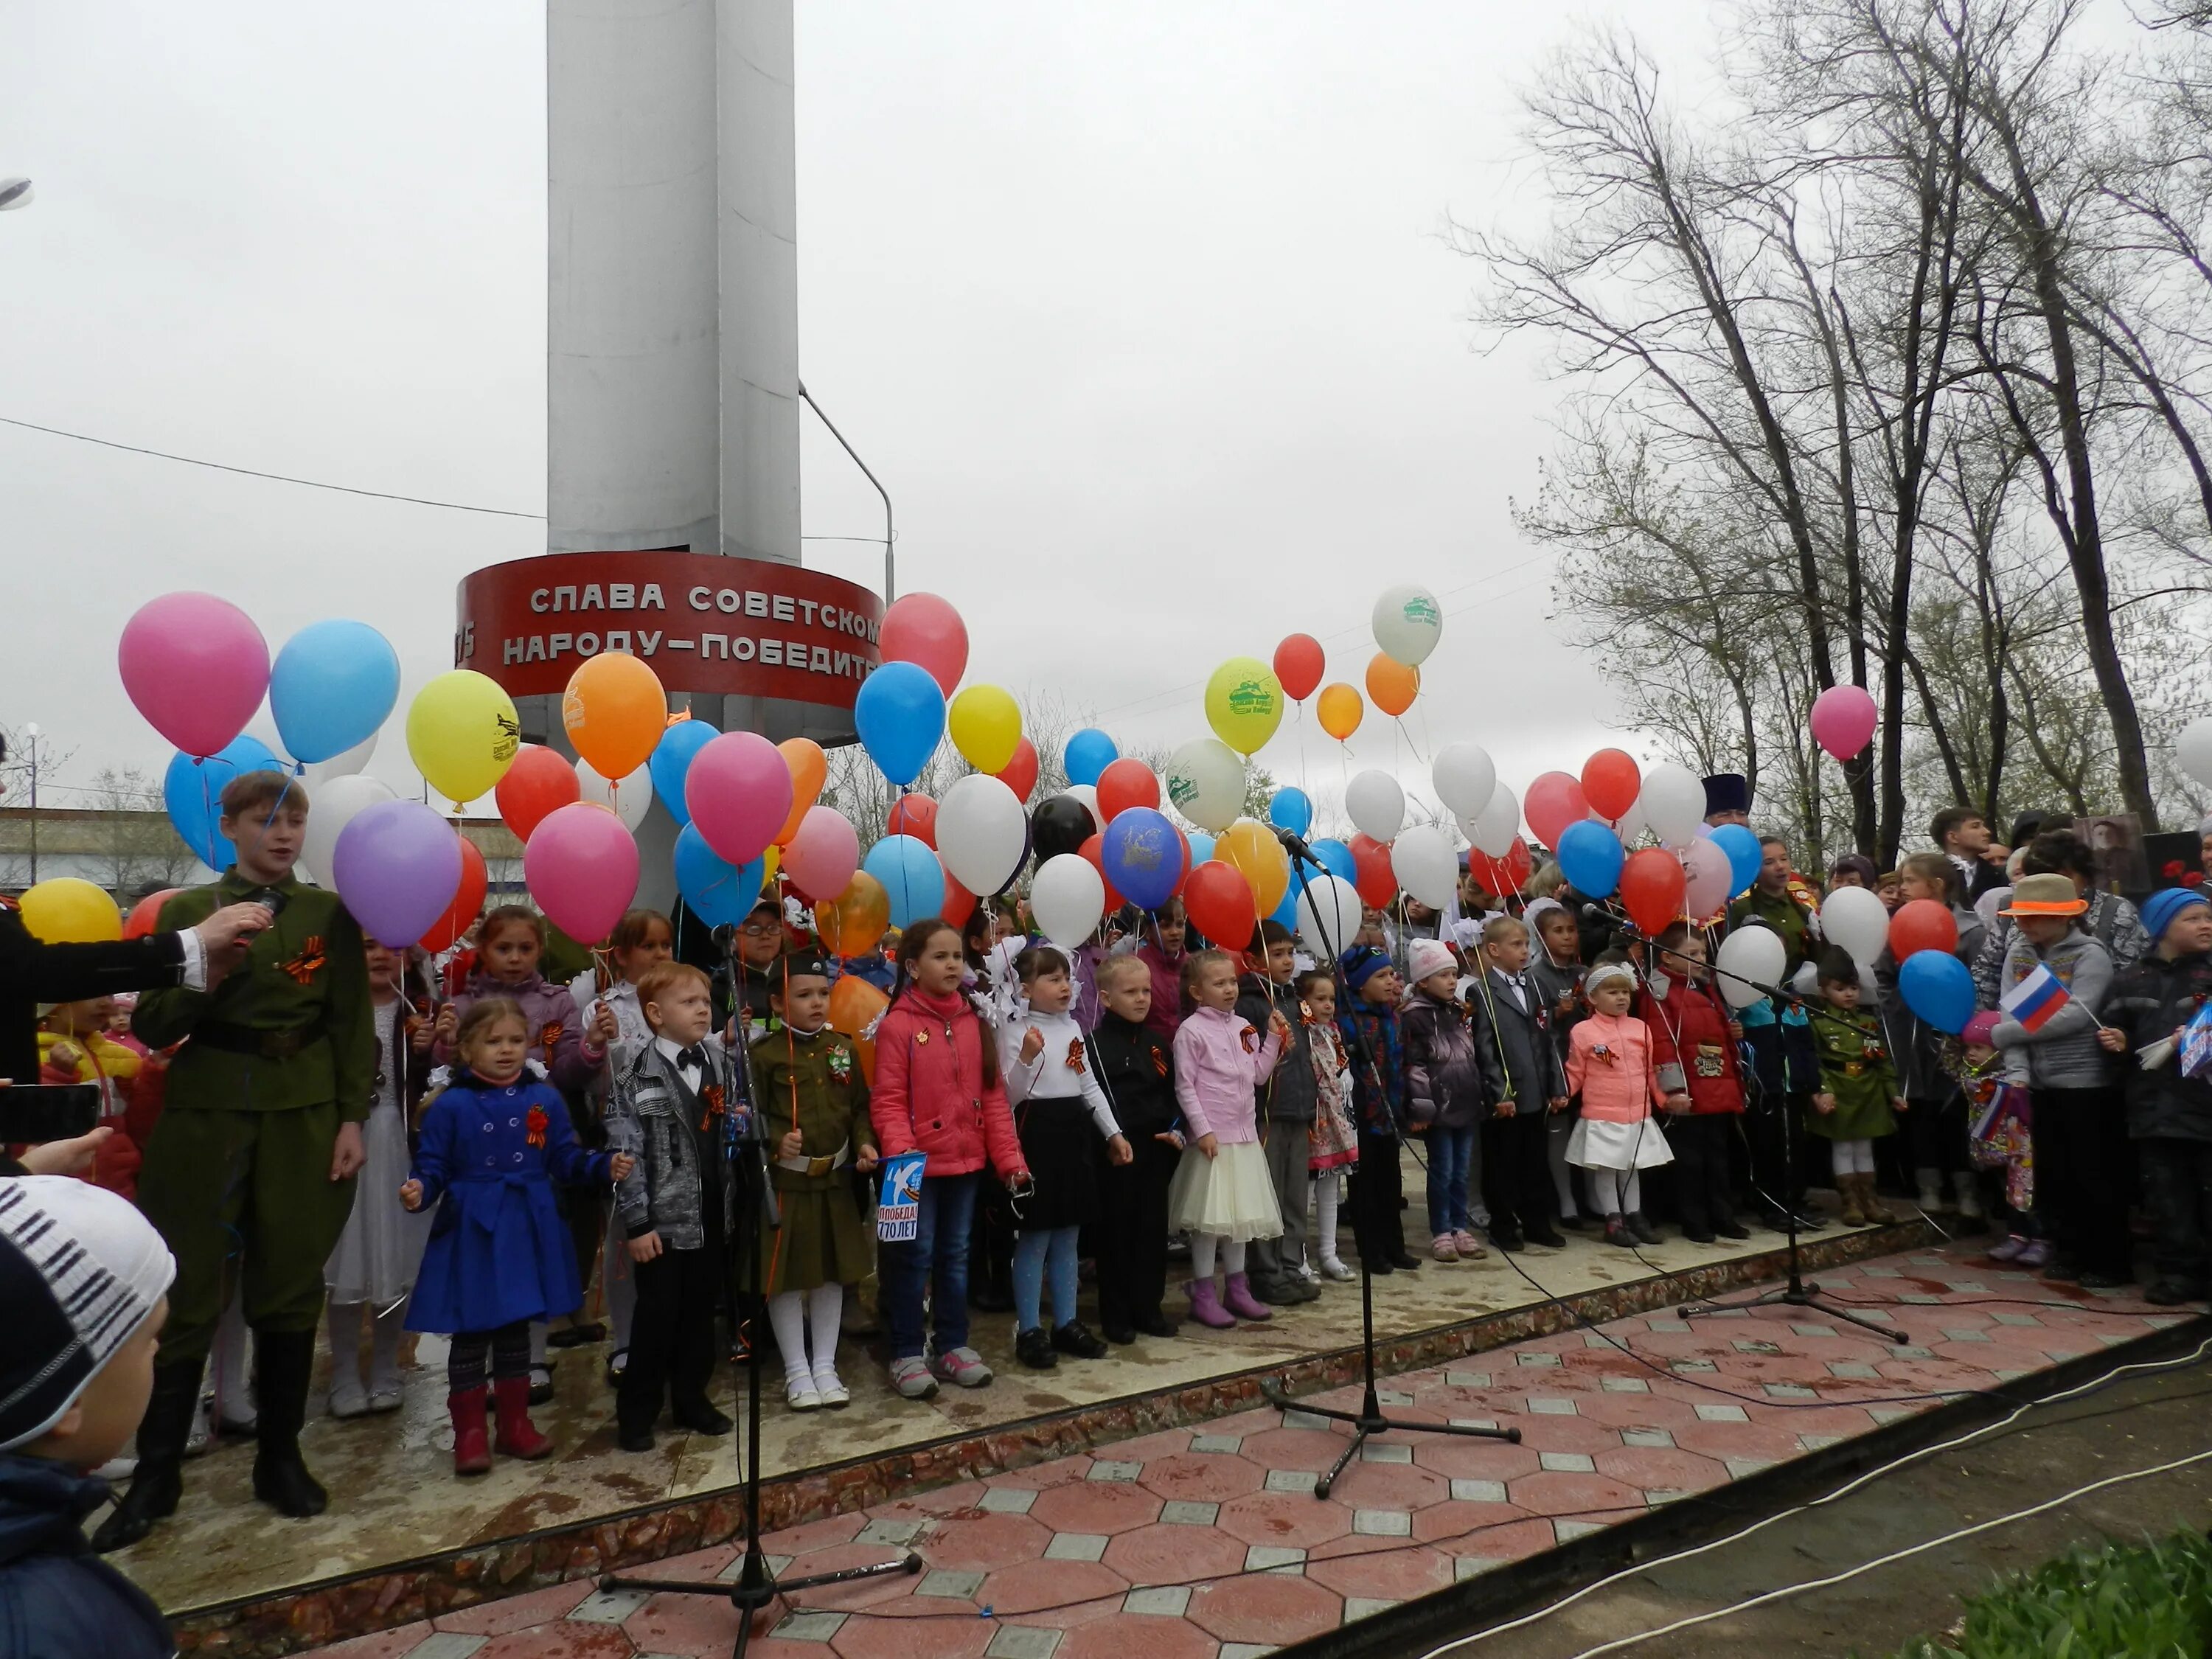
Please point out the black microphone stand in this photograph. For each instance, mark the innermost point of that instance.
(755, 1586)
(1368, 1422)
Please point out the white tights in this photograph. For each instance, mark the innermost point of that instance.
(386, 1329)
(791, 1313)
(1853, 1158)
(1617, 1190)
(1203, 1248)
(1327, 1195)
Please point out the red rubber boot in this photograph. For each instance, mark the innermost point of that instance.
(518, 1434)
(471, 1455)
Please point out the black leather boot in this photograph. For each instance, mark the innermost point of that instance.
(285, 1365)
(157, 1483)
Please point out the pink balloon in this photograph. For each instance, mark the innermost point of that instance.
(581, 864)
(1553, 801)
(926, 630)
(822, 856)
(739, 789)
(1844, 720)
(1709, 878)
(195, 667)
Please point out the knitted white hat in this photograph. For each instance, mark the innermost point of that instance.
(1424, 957)
(80, 1270)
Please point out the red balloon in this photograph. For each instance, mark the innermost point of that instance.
(958, 902)
(1021, 773)
(1185, 840)
(1094, 851)
(147, 913)
(537, 784)
(924, 629)
(1377, 883)
(1298, 664)
(1218, 900)
(915, 816)
(1652, 883)
(1922, 925)
(1518, 864)
(468, 900)
(1554, 801)
(1611, 783)
(1126, 783)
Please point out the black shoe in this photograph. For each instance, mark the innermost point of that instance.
(155, 1484)
(1271, 1289)
(1550, 1238)
(1406, 1261)
(576, 1336)
(1033, 1347)
(1076, 1338)
(1731, 1229)
(1383, 1265)
(1120, 1335)
(2062, 1273)
(541, 1394)
(1698, 1235)
(1644, 1232)
(1157, 1325)
(285, 1365)
(702, 1418)
(1501, 1238)
(2173, 1292)
(1809, 1220)
(2092, 1279)
(634, 1440)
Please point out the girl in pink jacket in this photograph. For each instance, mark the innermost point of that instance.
(1610, 1065)
(1222, 1192)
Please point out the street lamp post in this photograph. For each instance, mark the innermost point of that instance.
(890, 591)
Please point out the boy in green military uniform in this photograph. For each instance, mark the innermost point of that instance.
(814, 1105)
(251, 1170)
(1858, 1101)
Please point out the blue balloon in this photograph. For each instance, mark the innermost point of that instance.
(1287, 912)
(910, 874)
(900, 714)
(1143, 859)
(1291, 810)
(1743, 854)
(1336, 857)
(1936, 986)
(671, 760)
(192, 791)
(1590, 856)
(332, 687)
(719, 892)
(1202, 847)
(1089, 752)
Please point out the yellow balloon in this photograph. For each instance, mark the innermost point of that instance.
(463, 734)
(1244, 703)
(1340, 710)
(64, 910)
(1251, 848)
(986, 724)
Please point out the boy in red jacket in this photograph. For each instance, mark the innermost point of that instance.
(1694, 1043)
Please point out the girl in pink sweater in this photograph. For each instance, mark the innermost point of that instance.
(1222, 1192)
(1609, 1064)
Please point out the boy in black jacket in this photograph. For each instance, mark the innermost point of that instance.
(1286, 1115)
(1527, 1085)
(2169, 1116)
(1136, 1067)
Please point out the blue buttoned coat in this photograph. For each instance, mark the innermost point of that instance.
(499, 1250)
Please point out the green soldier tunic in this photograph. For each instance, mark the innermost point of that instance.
(815, 1081)
(1783, 914)
(281, 1052)
(1856, 1068)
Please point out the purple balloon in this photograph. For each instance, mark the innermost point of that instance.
(396, 867)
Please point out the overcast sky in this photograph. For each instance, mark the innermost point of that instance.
(1138, 309)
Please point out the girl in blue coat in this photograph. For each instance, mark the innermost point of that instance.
(494, 1142)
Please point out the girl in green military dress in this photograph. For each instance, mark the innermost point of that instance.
(813, 1103)
(1858, 1101)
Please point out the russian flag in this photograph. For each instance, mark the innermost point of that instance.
(2035, 998)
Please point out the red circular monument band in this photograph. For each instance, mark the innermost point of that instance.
(703, 623)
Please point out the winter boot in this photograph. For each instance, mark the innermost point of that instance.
(155, 1484)
(518, 1436)
(1205, 1307)
(1931, 1190)
(1847, 1185)
(281, 1479)
(471, 1452)
(1240, 1301)
(1969, 1188)
(1877, 1213)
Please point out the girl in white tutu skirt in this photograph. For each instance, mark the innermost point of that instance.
(1610, 1065)
(1222, 1192)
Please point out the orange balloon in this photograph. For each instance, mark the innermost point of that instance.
(854, 1006)
(1340, 710)
(1391, 685)
(809, 767)
(852, 923)
(614, 712)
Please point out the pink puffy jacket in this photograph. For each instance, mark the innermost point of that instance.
(931, 1094)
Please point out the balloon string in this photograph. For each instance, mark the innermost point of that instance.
(1410, 743)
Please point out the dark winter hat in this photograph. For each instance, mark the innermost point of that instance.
(2160, 910)
(1727, 791)
(1362, 963)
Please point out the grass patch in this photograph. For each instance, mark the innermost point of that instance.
(2149, 1600)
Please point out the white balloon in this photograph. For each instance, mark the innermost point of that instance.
(1421, 860)
(1408, 623)
(1855, 919)
(1709, 878)
(1205, 783)
(1088, 794)
(1493, 827)
(1330, 911)
(1377, 804)
(330, 808)
(2192, 750)
(1067, 898)
(1465, 777)
(631, 803)
(1672, 804)
(341, 766)
(983, 834)
(1751, 953)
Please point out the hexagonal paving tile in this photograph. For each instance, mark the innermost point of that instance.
(1297, 1519)
(1062, 1594)
(1173, 1555)
(1266, 1609)
(987, 1541)
(1209, 1477)
(1096, 1507)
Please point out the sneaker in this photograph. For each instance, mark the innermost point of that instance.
(2035, 1255)
(1444, 1247)
(1336, 1270)
(1075, 1338)
(2009, 1249)
(963, 1367)
(912, 1378)
(835, 1395)
(1034, 1348)
(1470, 1247)
(800, 1393)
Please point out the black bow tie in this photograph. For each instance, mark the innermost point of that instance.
(1518, 982)
(695, 1055)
